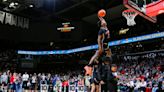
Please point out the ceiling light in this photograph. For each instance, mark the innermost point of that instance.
(12, 4)
(51, 43)
(4, 0)
(16, 4)
(31, 6)
(85, 40)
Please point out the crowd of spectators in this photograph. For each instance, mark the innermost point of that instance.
(19, 82)
(136, 73)
(144, 74)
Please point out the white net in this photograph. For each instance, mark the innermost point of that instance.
(130, 16)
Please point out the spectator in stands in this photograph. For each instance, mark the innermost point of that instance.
(4, 81)
(87, 82)
(25, 79)
(33, 82)
(43, 79)
(143, 85)
(142, 74)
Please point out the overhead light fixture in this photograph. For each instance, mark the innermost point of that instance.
(16, 4)
(13, 5)
(85, 40)
(4, 0)
(51, 43)
(31, 6)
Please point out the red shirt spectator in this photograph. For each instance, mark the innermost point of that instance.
(148, 89)
(158, 68)
(12, 79)
(142, 77)
(122, 72)
(65, 83)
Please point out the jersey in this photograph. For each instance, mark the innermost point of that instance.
(105, 40)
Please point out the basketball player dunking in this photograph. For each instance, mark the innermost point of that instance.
(103, 35)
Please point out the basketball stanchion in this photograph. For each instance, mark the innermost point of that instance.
(148, 9)
(130, 15)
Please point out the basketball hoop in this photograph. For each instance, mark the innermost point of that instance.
(130, 15)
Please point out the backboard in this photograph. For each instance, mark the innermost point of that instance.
(148, 9)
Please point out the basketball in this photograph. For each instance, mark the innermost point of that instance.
(101, 13)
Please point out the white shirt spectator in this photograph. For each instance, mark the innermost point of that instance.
(128, 84)
(43, 77)
(4, 78)
(131, 83)
(143, 84)
(87, 82)
(33, 79)
(28, 84)
(115, 74)
(137, 85)
(25, 77)
(147, 74)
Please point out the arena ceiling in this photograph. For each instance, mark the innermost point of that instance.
(67, 9)
(45, 15)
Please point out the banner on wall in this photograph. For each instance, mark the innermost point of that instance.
(44, 88)
(74, 88)
(92, 47)
(81, 88)
(2, 16)
(13, 20)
